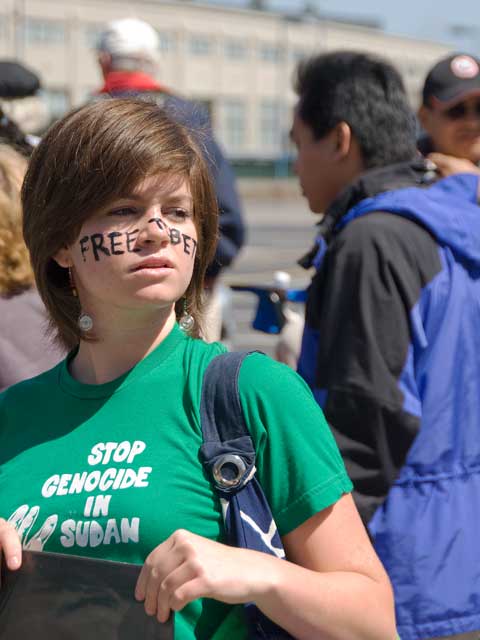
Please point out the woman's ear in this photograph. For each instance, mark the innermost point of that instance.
(63, 258)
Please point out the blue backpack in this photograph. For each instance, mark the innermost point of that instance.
(228, 455)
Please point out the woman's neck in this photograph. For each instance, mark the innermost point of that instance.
(117, 351)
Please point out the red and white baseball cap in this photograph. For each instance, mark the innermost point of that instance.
(451, 80)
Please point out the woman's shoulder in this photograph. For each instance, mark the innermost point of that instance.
(261, 374)
(277, 397)
(202, 351)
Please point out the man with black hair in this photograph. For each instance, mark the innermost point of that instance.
(391, 340)
(450, 114)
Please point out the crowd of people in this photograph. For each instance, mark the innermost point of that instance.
(368, 457)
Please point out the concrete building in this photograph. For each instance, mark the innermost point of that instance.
(238, 62)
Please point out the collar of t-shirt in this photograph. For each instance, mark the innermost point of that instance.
(153, 359)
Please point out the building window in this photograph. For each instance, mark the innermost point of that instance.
(44, 31)
(270, 124)
(91, 34)
(201, 45)
(167, 41)
(235, 124)
(57, 101)
(270, 53)
(299, 54)
(235, 49)
(3, 27)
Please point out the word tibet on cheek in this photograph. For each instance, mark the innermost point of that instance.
(117, 243)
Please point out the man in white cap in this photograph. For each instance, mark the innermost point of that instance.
(450, 114)
(128, 55)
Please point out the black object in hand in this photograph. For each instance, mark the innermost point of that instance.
(62, 597)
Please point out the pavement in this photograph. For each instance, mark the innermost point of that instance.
(280, 230)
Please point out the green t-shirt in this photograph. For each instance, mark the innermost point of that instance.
(111, 470)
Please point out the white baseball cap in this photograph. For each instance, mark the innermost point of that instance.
(129, 37)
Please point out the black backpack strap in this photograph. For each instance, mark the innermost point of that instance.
(228, 454)
(222, 415)
(227, 451)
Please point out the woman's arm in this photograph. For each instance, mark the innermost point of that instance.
(333, 586)
(337, 587)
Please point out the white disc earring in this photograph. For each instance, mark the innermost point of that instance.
(85, 322)
(187, 321)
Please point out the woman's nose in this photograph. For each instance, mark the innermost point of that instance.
(154, 231)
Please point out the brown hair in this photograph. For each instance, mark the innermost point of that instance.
(16, 274)
(96, 154)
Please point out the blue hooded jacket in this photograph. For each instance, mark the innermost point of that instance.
(425, 531)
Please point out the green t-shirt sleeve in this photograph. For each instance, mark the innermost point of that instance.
(298, 462)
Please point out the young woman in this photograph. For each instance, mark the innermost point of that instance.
(100, 455)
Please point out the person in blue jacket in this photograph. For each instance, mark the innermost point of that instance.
(127, 52)
(391, 346)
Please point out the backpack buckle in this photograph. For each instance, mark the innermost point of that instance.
(228, 471)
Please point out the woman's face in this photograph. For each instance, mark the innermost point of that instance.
(138, 253)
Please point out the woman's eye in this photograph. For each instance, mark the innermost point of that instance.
(176, 213)
(123, 211)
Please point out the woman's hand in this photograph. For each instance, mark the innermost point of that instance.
(10, 545)
(186, 567)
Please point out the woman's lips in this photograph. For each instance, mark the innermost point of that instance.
(153, 264)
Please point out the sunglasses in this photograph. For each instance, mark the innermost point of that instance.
(461, 110)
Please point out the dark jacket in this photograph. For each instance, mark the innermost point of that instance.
(195, 118)
(391, 350)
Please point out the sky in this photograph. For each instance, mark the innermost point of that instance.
(455, 22)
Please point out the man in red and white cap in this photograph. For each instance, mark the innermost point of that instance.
(450, 115)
